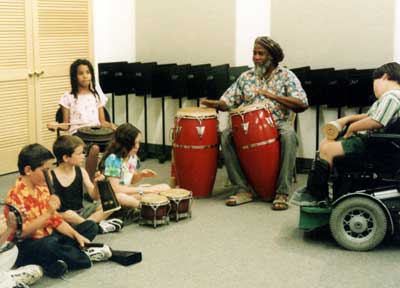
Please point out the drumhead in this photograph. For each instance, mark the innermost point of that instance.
(248, 108)
(176, 193)
(154, 199)
(196, 112)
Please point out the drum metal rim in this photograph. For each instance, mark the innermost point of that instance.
(154, 200)
(185, 113)
(177, 198)
(249, 108)
(196, 118)
(195, 147)
(258, 144)
(156, 204)
(83, 130)
(187, 194)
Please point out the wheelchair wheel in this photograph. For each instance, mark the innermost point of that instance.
(358, 224)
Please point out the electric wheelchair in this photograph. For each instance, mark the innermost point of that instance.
(364, 195)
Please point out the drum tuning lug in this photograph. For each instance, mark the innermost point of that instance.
(272, 121)
(245, 127)
(269, 121)
(178, 130)
(200, 131)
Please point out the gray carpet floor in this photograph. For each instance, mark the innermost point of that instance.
(244, 246)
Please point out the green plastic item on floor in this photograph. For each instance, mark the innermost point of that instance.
(313, 217)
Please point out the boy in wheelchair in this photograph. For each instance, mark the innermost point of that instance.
(369, 160)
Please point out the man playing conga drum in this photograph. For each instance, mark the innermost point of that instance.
(282, 91)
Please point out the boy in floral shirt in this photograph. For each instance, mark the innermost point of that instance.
(48, 240)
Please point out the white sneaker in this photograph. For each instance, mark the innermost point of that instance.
(27, 274)
(97, 254)
(6, 281)
(111, 225)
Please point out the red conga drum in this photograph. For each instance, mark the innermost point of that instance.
(256, 140)
(195, 149)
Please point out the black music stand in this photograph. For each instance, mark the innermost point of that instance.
(120, 87)
(197, 80)
(129, 82)
(217, 81)
(142, 79)
(337, 90)
(361, 92)
(161, 87)
(235, 72)
(315, 86)
(179, 82)
(107, 80)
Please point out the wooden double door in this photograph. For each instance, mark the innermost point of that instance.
(39, 39)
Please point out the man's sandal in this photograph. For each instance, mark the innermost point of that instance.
(239, 199)
(280, 202)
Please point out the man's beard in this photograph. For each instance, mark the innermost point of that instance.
(260, 70)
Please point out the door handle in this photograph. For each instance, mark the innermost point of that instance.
(38, 73)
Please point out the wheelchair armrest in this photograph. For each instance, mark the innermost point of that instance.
(385, 143)
(384, 136)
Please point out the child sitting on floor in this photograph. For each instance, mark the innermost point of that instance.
(47, 240)
(120, 165)
(69, 179)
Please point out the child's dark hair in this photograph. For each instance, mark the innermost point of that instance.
(123, 142)
(391, 69)
(34, 155)
(66, 145)
(73, 75)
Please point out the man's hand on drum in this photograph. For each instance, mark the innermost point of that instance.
(210, 103)
(147, 173)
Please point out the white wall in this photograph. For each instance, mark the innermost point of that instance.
(396, 32)
(114, 40)
(331, 33)
(251, 21)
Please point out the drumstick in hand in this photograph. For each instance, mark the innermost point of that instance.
(55, 125)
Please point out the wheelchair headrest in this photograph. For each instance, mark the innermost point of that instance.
(393, 127)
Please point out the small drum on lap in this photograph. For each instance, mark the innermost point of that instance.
(101, 136)
(155, 210)
(181, 202)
